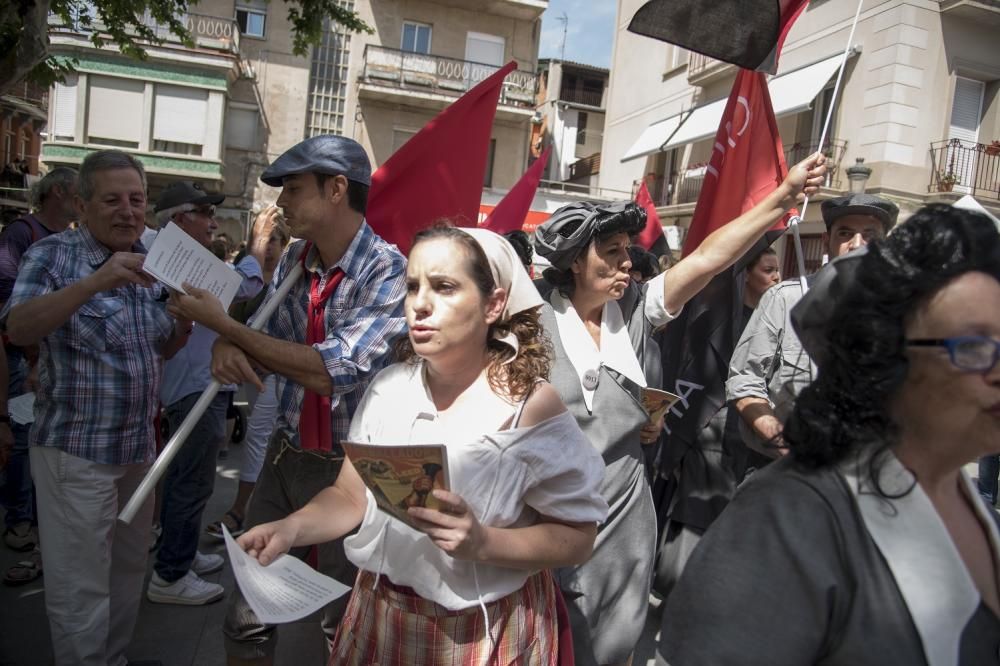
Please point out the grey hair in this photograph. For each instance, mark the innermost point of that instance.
(167, 214)
(106, 160)
(61, 177)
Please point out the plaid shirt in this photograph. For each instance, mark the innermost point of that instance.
(99, 373)
(364, 316)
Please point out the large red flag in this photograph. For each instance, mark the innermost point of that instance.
(439, 172)
(653, 233)
(509, 214)
(747, 163)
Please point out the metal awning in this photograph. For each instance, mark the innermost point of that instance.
(791, 93)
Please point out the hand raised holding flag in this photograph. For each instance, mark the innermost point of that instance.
(805, 178)
(725, 245)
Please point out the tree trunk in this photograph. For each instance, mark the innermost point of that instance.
(31, 46)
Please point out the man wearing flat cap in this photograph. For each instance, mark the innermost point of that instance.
(177, 573)
(325, 342)
(769, 367)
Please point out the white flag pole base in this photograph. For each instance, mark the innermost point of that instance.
(159, 468)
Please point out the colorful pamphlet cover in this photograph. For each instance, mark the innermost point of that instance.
(401, 476)
(657, 402)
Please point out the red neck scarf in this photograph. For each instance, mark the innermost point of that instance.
(314, 422)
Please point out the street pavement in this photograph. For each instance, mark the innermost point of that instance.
(183, 635)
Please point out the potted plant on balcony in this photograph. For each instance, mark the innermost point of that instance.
(947, 180)
(993, 149)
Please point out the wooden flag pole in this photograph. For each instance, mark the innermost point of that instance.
(162, 462)
(794, 222)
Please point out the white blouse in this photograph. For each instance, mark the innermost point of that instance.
(506, 477)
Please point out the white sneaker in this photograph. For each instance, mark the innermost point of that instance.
(187, 591)
(205, 564)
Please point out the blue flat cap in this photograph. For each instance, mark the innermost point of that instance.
(860, 204)
(329, 154)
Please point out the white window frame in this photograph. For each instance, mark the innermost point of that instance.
(262, 12)
(417, 25)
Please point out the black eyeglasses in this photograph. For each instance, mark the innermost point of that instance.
(974, 353)
(208, 211)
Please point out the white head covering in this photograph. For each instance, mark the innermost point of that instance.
(509, 274)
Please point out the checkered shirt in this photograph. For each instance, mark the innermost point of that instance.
(364, 317)
(99, 372)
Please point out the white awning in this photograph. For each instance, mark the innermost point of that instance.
(653, 137)
(791, 93)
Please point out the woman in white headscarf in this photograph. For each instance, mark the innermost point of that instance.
(601, 322)
(471, 585)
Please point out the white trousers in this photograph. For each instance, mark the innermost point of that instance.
(94, 564)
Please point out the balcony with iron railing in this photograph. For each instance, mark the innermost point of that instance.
(964, 167)
(702, 70)
(684, 188)
(581, 96)
(419, 73)
(211, 33)
(585, 167)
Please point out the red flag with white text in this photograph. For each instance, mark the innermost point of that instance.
(439, 172)
(747, 164)
(510, 213)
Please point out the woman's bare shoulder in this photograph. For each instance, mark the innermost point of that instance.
(543, 404)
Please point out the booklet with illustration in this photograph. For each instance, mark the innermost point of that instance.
(175, 258)
(401, 476)
(657, 402)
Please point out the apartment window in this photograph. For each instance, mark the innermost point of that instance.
(676, 57)
(251, 20)
(179, 119)
(176, 147)
(64, 109)
(25, 146)
(416, 37)
(8, 142)
(241, 128)
(114, 111)
(328, 81)
(488, 176)
(581, 128)
(400, 137)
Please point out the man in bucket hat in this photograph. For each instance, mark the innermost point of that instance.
(325, 342)
(769, 366)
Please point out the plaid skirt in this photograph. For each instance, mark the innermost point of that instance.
(391, 625)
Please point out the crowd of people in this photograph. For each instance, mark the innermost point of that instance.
(826, 520)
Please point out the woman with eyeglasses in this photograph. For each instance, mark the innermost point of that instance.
(869, 544)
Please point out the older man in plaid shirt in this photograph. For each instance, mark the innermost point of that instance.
(102, 334)
(325, 342)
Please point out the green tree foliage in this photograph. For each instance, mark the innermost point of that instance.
(24, 43)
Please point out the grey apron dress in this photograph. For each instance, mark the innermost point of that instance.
(607, 596)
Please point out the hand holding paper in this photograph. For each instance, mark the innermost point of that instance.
(176, 259)
(197, 305)
(286, 590)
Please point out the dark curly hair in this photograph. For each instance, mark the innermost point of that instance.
(846, 409)
(516, 378)
(522, 245)
(630, 221)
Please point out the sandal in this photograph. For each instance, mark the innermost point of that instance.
(24, 571)
(232, 521)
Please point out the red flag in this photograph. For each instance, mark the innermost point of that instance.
(439, 172)
(747, 163)
(654, 230)
(510, 213)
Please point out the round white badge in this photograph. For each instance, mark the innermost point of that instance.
(590, 379)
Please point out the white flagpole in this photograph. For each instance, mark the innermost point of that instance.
(159, 467)
(794, 222)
